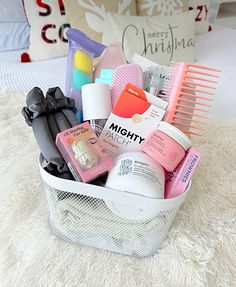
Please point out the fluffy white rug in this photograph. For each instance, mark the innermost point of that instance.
(200, 249)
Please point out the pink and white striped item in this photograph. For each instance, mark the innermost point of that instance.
(122, 75)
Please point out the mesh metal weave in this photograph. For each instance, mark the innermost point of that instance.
(87, 220)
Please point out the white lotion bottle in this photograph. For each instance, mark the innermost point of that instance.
(96, 104)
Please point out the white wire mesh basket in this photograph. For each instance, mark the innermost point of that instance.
(104, 218)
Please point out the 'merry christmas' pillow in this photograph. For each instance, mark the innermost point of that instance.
(89, 16)
(161, 7)
(159, 38)
(201, 9)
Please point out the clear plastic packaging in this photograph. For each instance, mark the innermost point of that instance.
(82, 51)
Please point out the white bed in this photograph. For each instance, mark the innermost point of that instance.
(11, 56)
(25, 76)
(200, 248)
(216, 49)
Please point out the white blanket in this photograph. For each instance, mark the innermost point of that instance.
(199, 250)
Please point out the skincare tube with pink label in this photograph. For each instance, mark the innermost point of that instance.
(178, 180)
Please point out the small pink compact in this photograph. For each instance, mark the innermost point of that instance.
(167, 145)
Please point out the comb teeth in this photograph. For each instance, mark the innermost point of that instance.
(194, 96)
(192, 108)
(185, 119)
(190, 113)
(202, 67)
(187, 125)
(198, 84)
(202, 73)
(193, 102)
(199, 79)
(191, 132)
(192, 88)
(196, 90)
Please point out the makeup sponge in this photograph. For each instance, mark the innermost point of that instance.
(82, 62)
(79, 79)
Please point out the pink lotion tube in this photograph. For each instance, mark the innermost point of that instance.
(178, 180)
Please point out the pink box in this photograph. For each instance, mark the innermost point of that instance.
(83, 154)
(178, 180)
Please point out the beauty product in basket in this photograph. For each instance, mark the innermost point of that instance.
(178, 180)
(137, 173)
(105, 77)
(82, 51)
(96, 103)
(143, 62)
(112, 57)
(84, 156)
(155, 79)
(189, 94)
(47, 123)
(122, 75)
(167, 145)
(131, 120)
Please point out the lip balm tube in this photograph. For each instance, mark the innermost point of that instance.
(96, 103)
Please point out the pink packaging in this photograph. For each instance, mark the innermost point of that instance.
(111, 58)
(178, 180)
(84, 156)
(167, 145)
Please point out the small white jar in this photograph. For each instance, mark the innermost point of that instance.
(138, 173)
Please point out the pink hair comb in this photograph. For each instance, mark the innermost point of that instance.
(189, 95)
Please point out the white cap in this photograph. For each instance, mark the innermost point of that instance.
(96, 101)
(176, 134)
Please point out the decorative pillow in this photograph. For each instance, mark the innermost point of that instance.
(13, 26)
(161, 7)
(201, 8)
(49, 22)
(159, 38)
(14, 36)
(12, 11)
(89, 16)
(214, 6)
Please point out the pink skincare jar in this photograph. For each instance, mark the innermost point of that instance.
(167, 145)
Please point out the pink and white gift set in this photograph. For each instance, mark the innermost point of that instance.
(129, 154)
